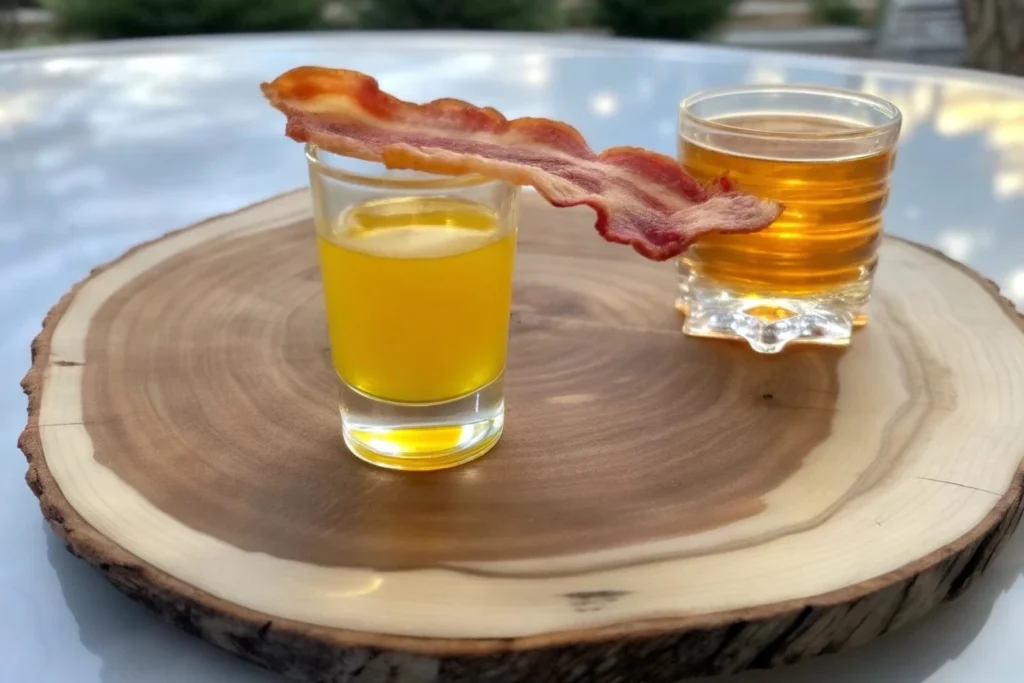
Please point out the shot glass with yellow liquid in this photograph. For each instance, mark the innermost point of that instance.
(417, 275)
(827, 155)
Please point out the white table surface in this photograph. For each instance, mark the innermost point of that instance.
(105, 145)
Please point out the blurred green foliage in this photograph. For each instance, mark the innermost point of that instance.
(493, 15)
(137, 18)
(577, 14)
(838, 12)
(681, 19)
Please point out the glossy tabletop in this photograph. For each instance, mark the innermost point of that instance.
(105, 145)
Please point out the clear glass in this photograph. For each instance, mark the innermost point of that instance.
(827, 155)
(417, 274)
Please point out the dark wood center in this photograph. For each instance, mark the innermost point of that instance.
(209, 389)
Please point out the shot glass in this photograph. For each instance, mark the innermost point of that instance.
(827, 155)
(417, 277)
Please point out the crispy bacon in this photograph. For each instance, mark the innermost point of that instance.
(642, 199)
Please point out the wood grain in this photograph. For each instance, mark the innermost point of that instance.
(659, 506)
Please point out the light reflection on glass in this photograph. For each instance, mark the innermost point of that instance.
(1015, 287)
(535, 58)
(604, 104)
(1000, 118)
(19, 108)
(1009, 183)
(536, 74)
(62, 65)
(957, 109)
(916, 101)
(536, 69)
(766, 75)
(961, 244)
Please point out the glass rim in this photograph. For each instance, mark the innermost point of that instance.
(866, 130)
(428, 181)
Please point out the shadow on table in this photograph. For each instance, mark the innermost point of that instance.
(134, 645)
(915, 653)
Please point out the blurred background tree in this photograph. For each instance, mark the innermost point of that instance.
(995, 35)
(137, 18)
(492, 15)
(680, 19)
(837, 12)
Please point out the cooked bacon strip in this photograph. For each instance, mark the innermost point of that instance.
(642, 199)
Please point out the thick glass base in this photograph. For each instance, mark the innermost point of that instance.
(769, 323)
(422, 436)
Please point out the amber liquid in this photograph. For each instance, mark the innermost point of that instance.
(418, 292)
(828, 236)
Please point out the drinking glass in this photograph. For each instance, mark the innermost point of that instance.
(827, 155)
(417, 277)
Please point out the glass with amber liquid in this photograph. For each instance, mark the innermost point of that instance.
(826, 154)
(417, 275)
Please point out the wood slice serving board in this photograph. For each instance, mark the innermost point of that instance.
(658, 506)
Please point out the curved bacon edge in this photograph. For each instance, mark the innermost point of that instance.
(642, 199)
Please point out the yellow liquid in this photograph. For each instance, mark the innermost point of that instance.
(828, 235)
(418, 292)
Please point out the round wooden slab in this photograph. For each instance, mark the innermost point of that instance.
(658, 507)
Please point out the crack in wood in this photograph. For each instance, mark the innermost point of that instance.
(594, 601)
(954, 483)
